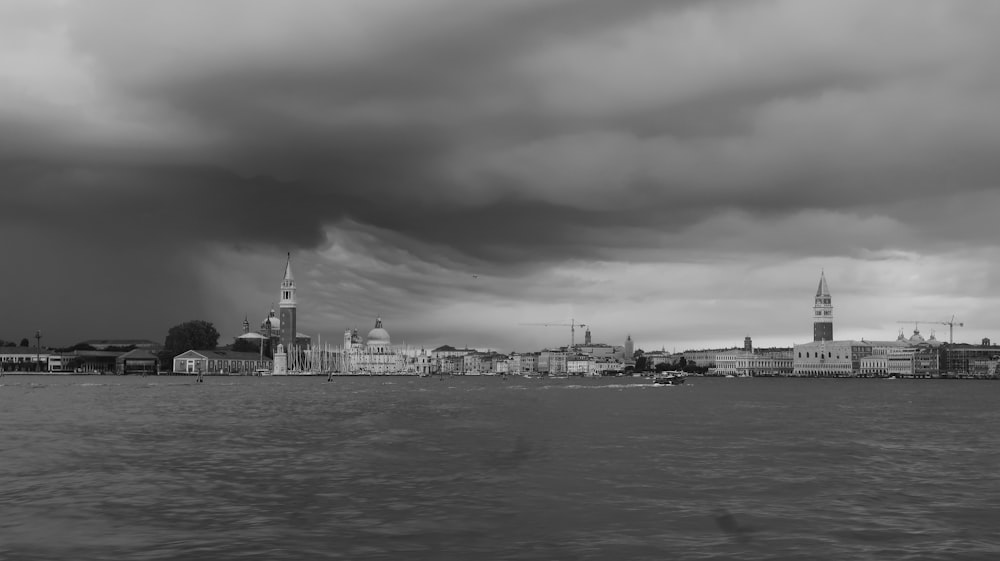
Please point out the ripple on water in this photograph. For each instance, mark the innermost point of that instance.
(476, 468)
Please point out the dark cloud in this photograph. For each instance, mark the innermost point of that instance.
(498, 137)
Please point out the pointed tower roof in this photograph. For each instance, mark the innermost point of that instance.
(288, 268)
(823, 289)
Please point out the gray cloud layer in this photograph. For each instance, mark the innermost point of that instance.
(491, 134)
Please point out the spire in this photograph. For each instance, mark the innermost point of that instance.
(823, 289)
(288, 268)
(288, 288)
(823, 311)
(378, 322)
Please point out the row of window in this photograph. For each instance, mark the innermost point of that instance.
(819, 355)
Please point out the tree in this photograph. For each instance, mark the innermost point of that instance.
(246, 346)
(194, 334)
(641, 364)
(25, 343)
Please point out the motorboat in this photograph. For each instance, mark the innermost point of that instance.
(669, 379)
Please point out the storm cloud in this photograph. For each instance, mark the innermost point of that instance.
(400, 146)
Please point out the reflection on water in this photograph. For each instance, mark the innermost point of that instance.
(482, 468)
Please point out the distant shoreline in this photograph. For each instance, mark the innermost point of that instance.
(336, 375)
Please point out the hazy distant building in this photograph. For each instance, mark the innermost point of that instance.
(629, 354)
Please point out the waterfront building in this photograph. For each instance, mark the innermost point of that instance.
(524, 363)
(742, 362)
(91, 362)
(479, 363)
(141, 362)
(24, 359)
(423, 364)
(221, 363)
(655, 358)
(877, 363)
(829, 358)
(376, 356)
(450, 364)
(984, 368)
(552, 362)
(608, 366)
(502, 365)
(448, 351)
(960, 358)
(913, 357)
(580, 365)
(702, 357)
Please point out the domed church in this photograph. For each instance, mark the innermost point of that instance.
(376, 356)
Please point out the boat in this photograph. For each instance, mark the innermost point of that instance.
(668, 379)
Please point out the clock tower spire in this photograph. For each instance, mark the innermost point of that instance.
(287, 305)
(822, 312)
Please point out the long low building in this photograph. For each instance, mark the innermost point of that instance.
(829, 358)
(221, 362)
(740, 362)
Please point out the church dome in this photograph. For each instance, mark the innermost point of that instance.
(273, 321)
(916, 337)
(378, 335)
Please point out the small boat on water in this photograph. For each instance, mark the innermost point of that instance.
(669, 379)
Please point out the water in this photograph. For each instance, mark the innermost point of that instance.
(481, 468)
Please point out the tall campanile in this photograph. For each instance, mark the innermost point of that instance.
(287, 306)
(822, 312)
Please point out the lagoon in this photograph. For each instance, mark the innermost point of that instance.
(461, 468)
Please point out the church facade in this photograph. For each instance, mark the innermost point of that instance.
(374, 356)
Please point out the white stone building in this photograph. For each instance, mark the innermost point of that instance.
(375, 356)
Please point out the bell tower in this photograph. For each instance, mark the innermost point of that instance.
(287, 307)
(822, 312)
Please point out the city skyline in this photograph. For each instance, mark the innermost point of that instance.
(681, 174)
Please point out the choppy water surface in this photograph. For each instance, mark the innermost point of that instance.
(482, 468)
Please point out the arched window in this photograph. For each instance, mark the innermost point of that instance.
(807, 355)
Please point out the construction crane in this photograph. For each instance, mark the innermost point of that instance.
(951, 326)
(572, 329)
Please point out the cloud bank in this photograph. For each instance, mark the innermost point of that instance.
(399, 147)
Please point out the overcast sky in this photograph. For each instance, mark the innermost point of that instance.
(678, 171)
